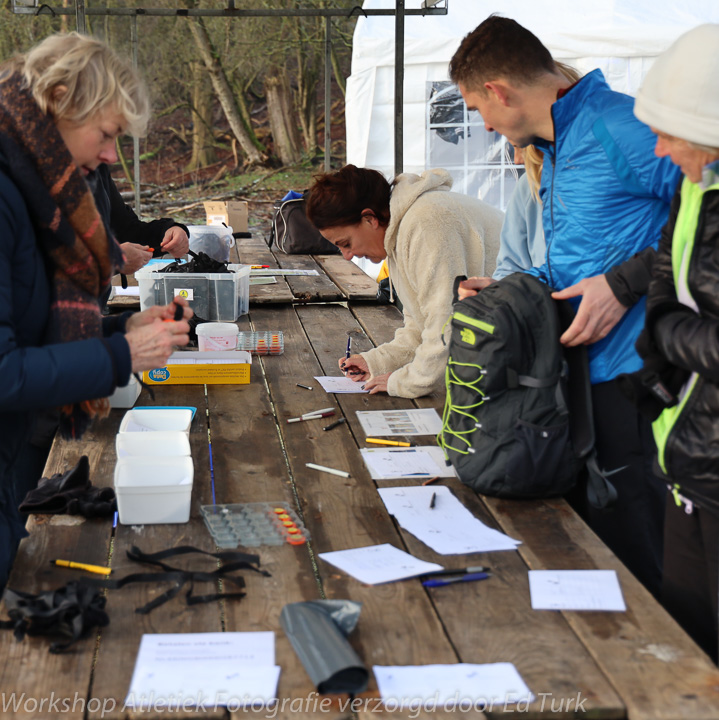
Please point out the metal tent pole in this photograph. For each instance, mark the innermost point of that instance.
(399, 88)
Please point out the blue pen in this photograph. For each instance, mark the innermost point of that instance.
(468, 577)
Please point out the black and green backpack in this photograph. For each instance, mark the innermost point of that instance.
(517, 420)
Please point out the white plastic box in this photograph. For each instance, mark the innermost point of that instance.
(217, 336)
(124, 397)
(218, 297)
(153, 490)
(152, 444)
(149, 420)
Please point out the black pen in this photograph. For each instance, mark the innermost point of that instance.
(334, 424)
(432, 501)
(347, 353)
(458, 571)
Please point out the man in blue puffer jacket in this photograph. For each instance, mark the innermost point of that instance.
(605, 198)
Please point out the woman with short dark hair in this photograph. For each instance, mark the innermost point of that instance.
(429, 236)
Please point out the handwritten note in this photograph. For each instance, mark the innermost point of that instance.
(334, 384)
(448, 527)
(388, 464)
(438, 687)
(576, 590)
(378, 564)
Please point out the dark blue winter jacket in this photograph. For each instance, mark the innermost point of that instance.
(605, 196)
(32, 375)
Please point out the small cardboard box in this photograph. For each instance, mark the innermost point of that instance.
(221, 367)
(233, 213)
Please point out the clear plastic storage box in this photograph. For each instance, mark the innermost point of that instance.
(219, 297)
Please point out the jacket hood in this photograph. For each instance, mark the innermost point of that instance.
(407, 188)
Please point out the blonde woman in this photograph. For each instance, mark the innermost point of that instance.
(62, 105)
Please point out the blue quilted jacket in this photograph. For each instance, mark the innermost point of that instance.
(605, 196)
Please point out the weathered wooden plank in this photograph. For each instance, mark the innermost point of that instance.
(250, 467)
(120, 641)
(654, 666)
(347, 513)
(308, 288)
(354, 283)
(31, 676)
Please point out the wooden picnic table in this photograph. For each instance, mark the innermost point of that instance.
(337, 279)
(638, 664)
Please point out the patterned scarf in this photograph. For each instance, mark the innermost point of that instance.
(70, 233)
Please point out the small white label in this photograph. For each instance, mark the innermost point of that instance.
(186, 293)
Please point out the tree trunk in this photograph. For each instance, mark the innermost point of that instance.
(224, 93)
(307, 77)
(282, 119)
(203, 154)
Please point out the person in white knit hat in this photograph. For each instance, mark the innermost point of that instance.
(679, 100)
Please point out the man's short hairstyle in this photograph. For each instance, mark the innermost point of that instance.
(95, 77)
(499, 48)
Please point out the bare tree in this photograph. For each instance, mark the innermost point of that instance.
(282, 117)
(203, 153)
(223, 91)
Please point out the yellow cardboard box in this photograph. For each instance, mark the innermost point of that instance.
(232, 212)
(227, 367)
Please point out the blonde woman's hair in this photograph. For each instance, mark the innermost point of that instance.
(94, 76)
(534, 158)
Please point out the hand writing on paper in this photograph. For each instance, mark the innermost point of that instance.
(377, 384)
(598, 312)
(354, 367)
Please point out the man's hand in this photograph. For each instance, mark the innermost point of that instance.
(598, 312)
(377, 384)
(472, 286)
(175, 242)
(136, 257)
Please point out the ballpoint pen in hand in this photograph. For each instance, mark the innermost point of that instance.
(348, 351)
(468, 577)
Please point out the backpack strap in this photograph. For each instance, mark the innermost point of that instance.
(455, 287)
(600, 491)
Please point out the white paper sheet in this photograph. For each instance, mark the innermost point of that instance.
(449, 687)
(196, 669)
(449, 528)
(130, 291)
(334, 384)
(377, 423)
(576, 590)
(397, 463)
(378, 564)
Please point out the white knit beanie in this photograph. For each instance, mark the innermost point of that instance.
(680, 93)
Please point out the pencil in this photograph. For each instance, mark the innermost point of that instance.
(377, 441)
(430, 481)
(97, 569)
(331, 471)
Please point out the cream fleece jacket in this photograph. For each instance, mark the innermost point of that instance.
(433, 235)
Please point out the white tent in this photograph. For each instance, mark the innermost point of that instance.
(621, 37)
